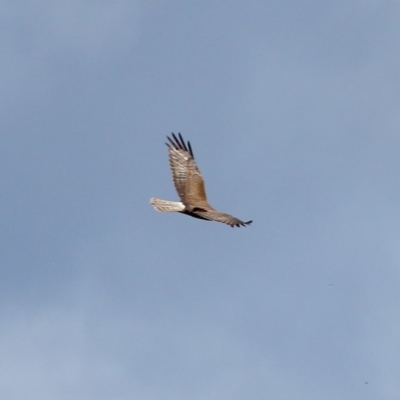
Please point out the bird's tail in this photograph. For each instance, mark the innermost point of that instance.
(166, 205)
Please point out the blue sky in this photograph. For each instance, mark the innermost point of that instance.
(292, 109)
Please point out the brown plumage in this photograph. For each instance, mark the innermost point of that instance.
(190, 187)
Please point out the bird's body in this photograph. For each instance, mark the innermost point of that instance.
(190, 187)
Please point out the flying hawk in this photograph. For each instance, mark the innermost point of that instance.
(190, 187)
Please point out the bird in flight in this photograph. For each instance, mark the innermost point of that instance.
(190, 187)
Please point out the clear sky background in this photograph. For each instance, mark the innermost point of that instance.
(293, 112)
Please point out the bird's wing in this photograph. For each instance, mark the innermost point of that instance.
(213, 215)
(186, 175)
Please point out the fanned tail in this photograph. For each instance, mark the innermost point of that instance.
(167, 205)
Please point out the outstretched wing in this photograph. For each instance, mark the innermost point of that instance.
(213, 215)
(186, 175)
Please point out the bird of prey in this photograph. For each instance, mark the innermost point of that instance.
(190, 187)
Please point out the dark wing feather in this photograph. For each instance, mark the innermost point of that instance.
(213, 215)
(186, 175)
